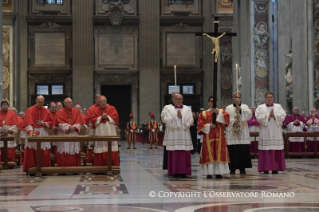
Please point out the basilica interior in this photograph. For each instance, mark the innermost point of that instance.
(126, 50)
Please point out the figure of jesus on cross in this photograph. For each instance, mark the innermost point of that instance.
(215, 36)
(216, 43)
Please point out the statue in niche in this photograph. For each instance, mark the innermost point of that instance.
(261, 35)
(288, 75)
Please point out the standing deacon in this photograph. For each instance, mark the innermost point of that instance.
(295, 123)
(271, 156)
(8, 127)
(153, 128)
(237, 135)
(131, 126)
(105, 120)
(214, 157)
(68, 121)
(37, 118)
(177, 138)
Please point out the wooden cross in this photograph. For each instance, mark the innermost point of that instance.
(215, 34)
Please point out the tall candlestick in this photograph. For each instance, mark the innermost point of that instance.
(237, 77)
(175, 78)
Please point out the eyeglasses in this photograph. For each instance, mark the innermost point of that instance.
(236, 97)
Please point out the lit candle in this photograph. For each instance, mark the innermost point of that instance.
(237, 77)
(175, 78)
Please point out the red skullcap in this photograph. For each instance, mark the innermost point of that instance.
(101, 97)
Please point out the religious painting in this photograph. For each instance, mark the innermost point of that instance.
(7, 6)
(226, 101)
(224, 6)
(7, 62)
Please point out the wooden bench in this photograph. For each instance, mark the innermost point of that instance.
(302, 135)
(38, 171)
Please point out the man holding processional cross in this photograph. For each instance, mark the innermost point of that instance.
(211, 123)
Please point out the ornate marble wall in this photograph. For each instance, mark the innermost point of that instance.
(261, 49)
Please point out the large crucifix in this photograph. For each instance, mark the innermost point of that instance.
(215, 40)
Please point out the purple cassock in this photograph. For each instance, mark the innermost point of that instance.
(295, 144)
(253, 125)
(313, 126)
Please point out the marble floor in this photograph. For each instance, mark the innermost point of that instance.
(142, 185)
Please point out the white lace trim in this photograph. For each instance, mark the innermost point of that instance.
(33, 145)
(68, 147)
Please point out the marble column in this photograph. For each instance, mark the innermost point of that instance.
(208, 26)
(242, 50)
(149, 59)
(1, 59)
(310, 31)
(23, 56)
(83, 54)
(284, 45)
(299, 53)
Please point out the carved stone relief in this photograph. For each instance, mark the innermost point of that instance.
(116, 13)
(261, 37)
(103, 7)
(288, 76)
(7, 62)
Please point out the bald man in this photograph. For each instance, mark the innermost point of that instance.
(68, 121)
(37, 118)
(105, 120)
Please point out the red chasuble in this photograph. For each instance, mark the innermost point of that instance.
(95, 112)
(69, 116)
(34, 114)
(214, 147)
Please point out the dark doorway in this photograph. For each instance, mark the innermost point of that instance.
(119, 96)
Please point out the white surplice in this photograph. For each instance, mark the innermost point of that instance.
(108, 128)
(13, 128)
(177, 134)
(270, 135)
(68, 147)
(42, 132)
(292, 128)
(246, 114)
